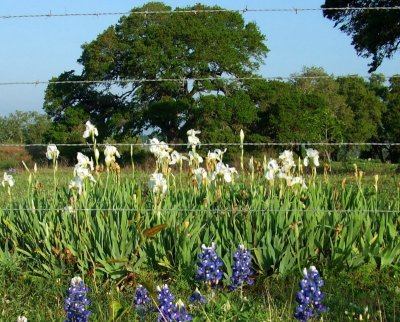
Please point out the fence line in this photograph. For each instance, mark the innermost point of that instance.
(196, 11)
(231, 210)
(184, 80)
(386, 144)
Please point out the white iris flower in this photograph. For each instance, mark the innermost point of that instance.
(84, 161)
(272, 169)
(8, 180)
(312, 155)
(224, 172)
(176, 157)
(201, 176)
(91, 130)
(110, 152)
(52, 152)
(193, 140)
(157, 183)
(76, 184)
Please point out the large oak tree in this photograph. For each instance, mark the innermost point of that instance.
(157, 46)
(374, 33)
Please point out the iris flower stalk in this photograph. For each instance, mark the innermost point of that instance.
(242, 150)
(132, 163)
(91, 131)
(53, 154)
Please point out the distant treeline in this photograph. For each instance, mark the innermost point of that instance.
(311, 107)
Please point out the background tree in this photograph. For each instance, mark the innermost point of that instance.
(368, 110)
(70, 104)
(24, 128)
(366, 107)
(264, 94)
(335, 117)
(222, 117)
(374, 33)
(153, 46)
(391, 119)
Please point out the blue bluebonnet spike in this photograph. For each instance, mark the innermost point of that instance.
(77, 302)
(142, 301)
(241, 268)
(209, 267)
(310, 296)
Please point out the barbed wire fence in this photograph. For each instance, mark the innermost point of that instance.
(183, 80)
(214, 210)
(197, 11)
(212, 144)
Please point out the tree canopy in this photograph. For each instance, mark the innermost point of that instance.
(166, 73)
(24, 128)
(374, 33)
(157, 46)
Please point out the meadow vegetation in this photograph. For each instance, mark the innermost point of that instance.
(118, 228)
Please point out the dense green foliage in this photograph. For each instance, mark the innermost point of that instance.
(348, 109)
(119, 234)
(24, 128)
(117, 227)
(154, 46)
(374, 33)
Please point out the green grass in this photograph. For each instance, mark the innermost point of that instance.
(155, 239)
(270, 299)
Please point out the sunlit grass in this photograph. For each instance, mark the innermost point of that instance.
(117, 230)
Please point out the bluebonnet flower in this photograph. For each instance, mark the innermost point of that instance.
(197, 297)
(168, 311)
(142, 301)
(166, 307)
(241, 268)
(209, 267)
(76, 302)
(310, 296)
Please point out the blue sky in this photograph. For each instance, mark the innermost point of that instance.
(40, 48)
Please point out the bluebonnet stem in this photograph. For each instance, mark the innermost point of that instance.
(310, 296)
(241, 268)
(196, 297)
(183, 315)
(209, 267)
(142, 301)
(76, 302)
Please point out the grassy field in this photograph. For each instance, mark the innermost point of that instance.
(118, 230)
(365, 291)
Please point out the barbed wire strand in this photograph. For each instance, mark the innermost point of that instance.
(195, 11)
(206, 210)
(145, 144)
(182, 80)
